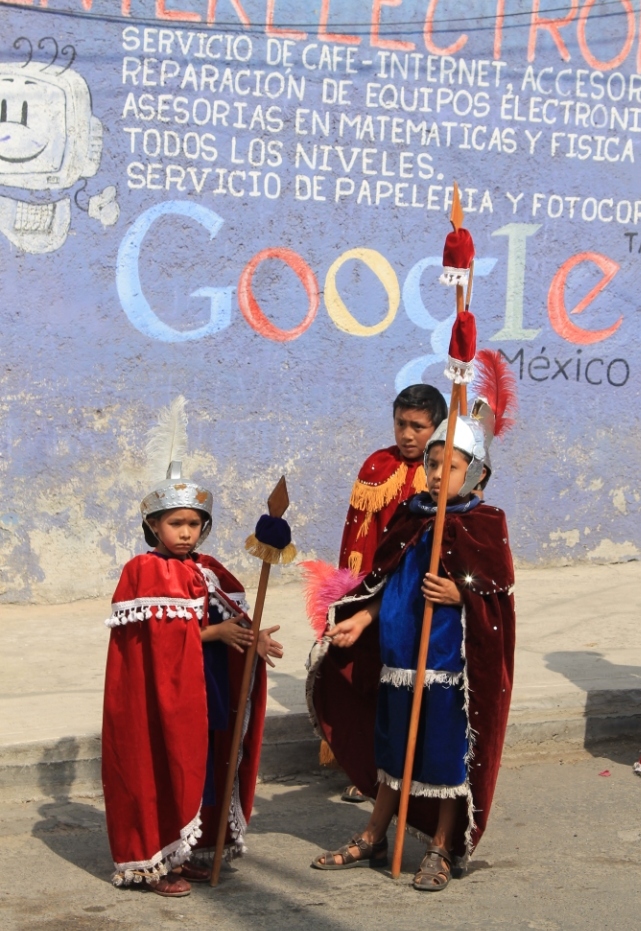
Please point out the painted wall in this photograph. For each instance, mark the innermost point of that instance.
(246, 202)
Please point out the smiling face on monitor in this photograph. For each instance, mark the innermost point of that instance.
(32, 125)
(48, 136)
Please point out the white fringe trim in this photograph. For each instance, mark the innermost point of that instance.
(424, 788)
(407, 677)
(461, 373)
(452, 276)
(161, 863)
(224, 602)
(239, 599)
(312, 665)
(144, 609)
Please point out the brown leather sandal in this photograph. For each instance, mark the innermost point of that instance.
(195, 870)
(172, 886)
(435, 870)
(372, 855)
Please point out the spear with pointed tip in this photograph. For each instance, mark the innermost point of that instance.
(277, 504)
(458, 403)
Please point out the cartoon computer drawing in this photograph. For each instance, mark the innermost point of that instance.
(49, 141)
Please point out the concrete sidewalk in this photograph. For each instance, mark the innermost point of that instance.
(577, 680)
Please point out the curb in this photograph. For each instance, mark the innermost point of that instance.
(71, 765)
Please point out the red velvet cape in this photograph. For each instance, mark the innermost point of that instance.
(343, 683)
(155, 733)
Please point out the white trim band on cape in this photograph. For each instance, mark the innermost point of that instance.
(162, 862)
(424, 789)
(407, 677)
(144, 609)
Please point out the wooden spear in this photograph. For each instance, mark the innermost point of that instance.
(277, 504)
(458, 399)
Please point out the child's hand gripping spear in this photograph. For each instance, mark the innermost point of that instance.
(458, 257)
(272, 544)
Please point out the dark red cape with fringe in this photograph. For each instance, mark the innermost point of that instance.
(342, 687)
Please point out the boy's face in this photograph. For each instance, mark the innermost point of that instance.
(412, 430)
(435, 469)
(178, 531)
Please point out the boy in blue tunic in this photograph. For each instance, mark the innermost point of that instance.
(471, 594)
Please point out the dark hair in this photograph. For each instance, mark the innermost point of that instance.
(423, 398)
(150, 537)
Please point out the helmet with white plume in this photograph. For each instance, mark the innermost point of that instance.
(166, 447)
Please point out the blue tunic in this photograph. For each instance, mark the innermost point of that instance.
(217, 684)
(442, 742)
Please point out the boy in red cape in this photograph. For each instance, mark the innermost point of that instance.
(386, 478)
(390, 475)
(174, 664)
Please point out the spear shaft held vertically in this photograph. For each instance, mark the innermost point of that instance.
(458, 404)
(278, 503)
(439, 524)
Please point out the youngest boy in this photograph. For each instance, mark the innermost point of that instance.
(167, 708)
(469, 672)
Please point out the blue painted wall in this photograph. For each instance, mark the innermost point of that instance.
(251, 212)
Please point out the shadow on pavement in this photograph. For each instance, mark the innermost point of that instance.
(312, 812)
(287, 690)
(72, 829)
(612, 714)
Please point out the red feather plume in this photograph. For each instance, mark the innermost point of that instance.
(497, 384)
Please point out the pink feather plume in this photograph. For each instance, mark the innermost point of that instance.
(324, 584)
(497, 384)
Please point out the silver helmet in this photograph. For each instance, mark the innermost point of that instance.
(472, 436)
(177, 492)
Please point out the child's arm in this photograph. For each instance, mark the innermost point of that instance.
(348, 631)
(231, 632)
(440, 591)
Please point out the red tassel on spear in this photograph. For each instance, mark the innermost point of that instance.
(459, 370)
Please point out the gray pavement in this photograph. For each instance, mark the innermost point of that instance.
(577, 680)
(562, 853)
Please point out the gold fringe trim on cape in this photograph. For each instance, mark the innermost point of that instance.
(269, 553)
(375, 497)
(419, 482)
(363, 530)
(355, 561)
